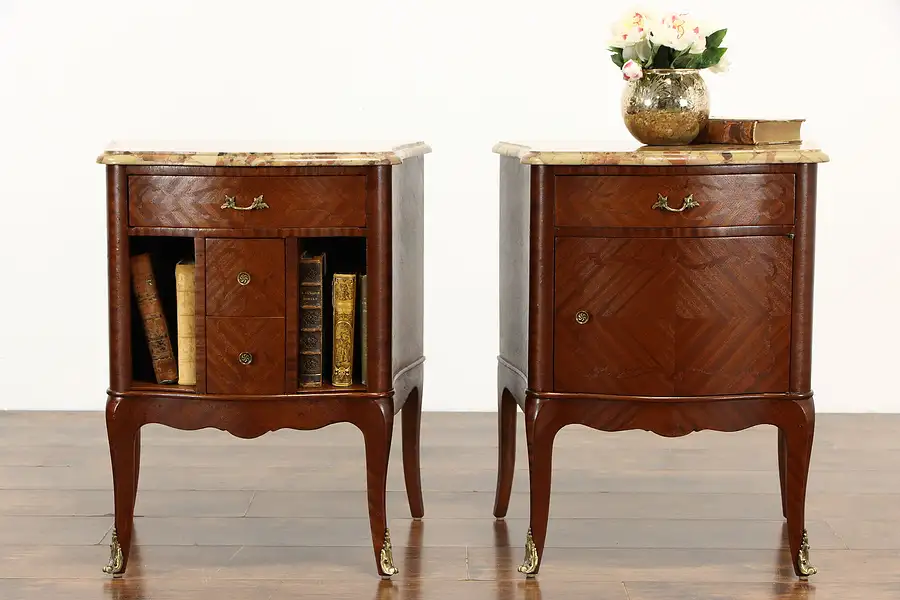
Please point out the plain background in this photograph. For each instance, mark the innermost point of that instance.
(460, 75)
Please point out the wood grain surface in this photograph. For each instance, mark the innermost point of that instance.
(248, 303)
(670, 318)
(229, 337)
(190, 201)
(673, 317)
(627, 200)
(684, 518)
(263, 295)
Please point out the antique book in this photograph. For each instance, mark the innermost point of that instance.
(185, 302)
(343, 295)
(150, 307)
(364, 327)
(312, 270)
(751, 131)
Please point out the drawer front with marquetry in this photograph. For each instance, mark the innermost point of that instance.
(245, 277)
(247, 202)
(674, 200)
(245, 355)
(673, 316)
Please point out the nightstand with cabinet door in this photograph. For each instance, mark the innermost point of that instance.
(659, 288)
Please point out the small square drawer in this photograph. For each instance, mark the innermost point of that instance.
(245, 278)
(674, 200)
(244, 355)
(247, 202)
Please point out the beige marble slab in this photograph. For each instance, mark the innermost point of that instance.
(632, 153)
(260, 153)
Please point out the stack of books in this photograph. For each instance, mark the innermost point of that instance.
(753, 132)
(345, 303)
(348, 307)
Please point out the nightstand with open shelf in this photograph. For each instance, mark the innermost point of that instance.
(244, 216)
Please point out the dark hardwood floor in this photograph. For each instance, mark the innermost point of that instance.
(633, 516)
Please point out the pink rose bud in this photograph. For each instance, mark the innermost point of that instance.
(631, 71)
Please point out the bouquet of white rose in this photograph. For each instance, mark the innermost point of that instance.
(643, 40)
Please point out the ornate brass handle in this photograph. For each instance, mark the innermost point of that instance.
(257, 204)
(662, 203)
(582, 317)
(245, 358)
(243, 278)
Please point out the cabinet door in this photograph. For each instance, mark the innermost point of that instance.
(672, 317)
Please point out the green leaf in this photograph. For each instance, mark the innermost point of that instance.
(616, 56)
(686, 61)
(710, 57)
(663, 58)
(653, 50)
(714, 40)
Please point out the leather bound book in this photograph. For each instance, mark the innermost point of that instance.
(750, 131)
(187, 338)
(344, 302)
(147, 294)
(312, 270)
(364, 326)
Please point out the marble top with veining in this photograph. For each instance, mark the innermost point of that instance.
(260, 153)
(632, 153)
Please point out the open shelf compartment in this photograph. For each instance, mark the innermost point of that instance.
(165, 253)
(341, 255)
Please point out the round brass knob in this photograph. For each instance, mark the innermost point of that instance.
(582, 317)
(243, 278)
(245, 358)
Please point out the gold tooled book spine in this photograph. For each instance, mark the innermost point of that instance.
(344, 302)
(185, 311)
(364, 324)
(312, 269)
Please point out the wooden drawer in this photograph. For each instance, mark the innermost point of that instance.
(259, 340)
(245, 278)
(628, 200)
(197, 201)
(673, 316)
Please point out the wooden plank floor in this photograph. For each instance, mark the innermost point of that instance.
(633, 516)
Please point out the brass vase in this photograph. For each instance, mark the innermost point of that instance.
(666, 107)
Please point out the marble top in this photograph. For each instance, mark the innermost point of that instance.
(632, 153)
(260, 153)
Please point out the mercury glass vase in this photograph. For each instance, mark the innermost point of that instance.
(666, 107)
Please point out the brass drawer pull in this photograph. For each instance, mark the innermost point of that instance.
(245, 358)
(257, 204)
(582, 317)
(243, 278)
(662, 203)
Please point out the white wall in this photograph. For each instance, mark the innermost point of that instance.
(460, 75)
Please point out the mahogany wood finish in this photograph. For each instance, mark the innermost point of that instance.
(381, 203)
(192, 201)
(624, 200)
(282, 232)
(406, 229)
(227, 339)
(673, 317)
(200, 309)
(688, 321)
(263, 295)
(292, 317)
